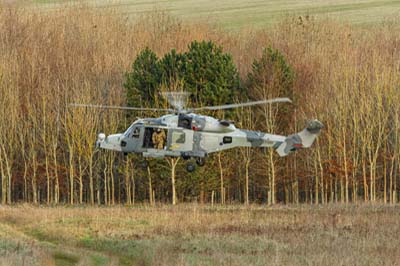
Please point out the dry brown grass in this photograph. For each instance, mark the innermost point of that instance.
(204, 235)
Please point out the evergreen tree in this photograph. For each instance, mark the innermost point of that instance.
(173, 67)
(144, 80)
(211, 76)
(208, 74)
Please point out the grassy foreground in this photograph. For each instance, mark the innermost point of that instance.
(233, 14)
(200, 235)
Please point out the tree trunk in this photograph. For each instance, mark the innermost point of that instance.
(48, 178)
(25, 181)
(112, 183)
(71, 176)
(221, 175)
(316, 182)
(133, 186)
(34, 184)
(3, 181)
(105, 183)
(346, 174)
(80, 180)
(364, 169)
(127, 171)
(91, 189)
(57, 185)
(247, 182)
(321, 170)
(172, 163)
(150, 186)
(272, 183)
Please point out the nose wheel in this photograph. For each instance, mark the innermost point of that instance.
(190, 167)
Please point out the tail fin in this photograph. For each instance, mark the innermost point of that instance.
(303, 139)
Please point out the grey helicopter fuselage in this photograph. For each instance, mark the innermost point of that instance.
(196, 136)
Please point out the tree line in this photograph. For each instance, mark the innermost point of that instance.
(346, 77)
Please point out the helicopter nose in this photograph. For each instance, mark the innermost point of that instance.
(100, 138)
(111, 142)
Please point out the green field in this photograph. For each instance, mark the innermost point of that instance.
(233, 14)
(200, 235)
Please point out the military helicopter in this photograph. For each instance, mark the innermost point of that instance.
(182, 133)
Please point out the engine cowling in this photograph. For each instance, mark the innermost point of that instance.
(225, 123)
(217, 126)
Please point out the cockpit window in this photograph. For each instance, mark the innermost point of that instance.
(136, 132)
(128, 131)
(133, 130)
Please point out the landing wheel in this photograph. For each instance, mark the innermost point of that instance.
(200, 161)
(185, 157)
(190, 167)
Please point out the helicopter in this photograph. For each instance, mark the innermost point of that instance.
(185, 134)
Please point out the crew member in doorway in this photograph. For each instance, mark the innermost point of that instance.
(158, 139)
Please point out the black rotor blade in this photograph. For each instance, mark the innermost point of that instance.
(236, 105)
(119, 107)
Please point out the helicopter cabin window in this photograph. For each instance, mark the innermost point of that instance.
(178, 137)
(185, 121)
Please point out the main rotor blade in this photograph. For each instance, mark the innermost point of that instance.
(119, 107)
(236, 105)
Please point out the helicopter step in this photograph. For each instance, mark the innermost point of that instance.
(156, 153)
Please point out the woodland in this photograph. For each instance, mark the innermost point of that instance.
(348, 77)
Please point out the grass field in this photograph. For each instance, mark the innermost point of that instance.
(234, 14)
(200, 235)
